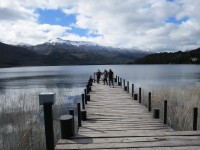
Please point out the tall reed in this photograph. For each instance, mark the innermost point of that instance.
(22, 124)
(181, 101)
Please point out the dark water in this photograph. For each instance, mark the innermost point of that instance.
(73, 77)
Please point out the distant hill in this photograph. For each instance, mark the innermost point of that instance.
(62, 52)
(189, 57)
(17, 56)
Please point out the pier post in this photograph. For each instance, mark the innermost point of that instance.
(149, 104)
(94, 77)
(71, 112)
(124, 84)
(66, 126)
(90, 83)
(195, 118)
(156, 113)
(47, 100)
(135, 97)
(85, 96)
(118, 80)
(79, 114)
(83, 101)
(140, 96)
(121, 81)
(132, 90)
(165, 111)
(128, 86)
(83, 111)
(88, 89)
(90, 80)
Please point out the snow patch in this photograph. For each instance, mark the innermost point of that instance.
(74, 43)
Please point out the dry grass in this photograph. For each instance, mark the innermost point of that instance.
(181, 102)
(22, 125)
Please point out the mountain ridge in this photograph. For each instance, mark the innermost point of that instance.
(64, 52)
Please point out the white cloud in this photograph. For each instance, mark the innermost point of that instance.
(12, 11)
(130, 23)
(30, 32)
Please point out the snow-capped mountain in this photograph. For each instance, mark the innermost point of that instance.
(60, 45)
(65, 52)
(68, 42)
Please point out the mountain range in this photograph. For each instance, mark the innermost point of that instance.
(64, 52)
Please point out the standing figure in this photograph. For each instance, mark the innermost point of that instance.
(105, 76)
(110, 76)
(98, 74)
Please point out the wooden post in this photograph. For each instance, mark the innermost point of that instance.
(121, 81)
(128, 86)
(83, 115)
(47, 100)
(165, 111)
(94, 77)
(71, 112)
(149, 106)
(156, 113)
(83, 102)
(90, 83)
(118, 79)
(135, 96)
(85, 96)
(125, 88)
(79, 114)
(66, 126)
(88, 89)
(140, 96)
(132, 90)
(90, 80)
(195, 118)
(124, 84)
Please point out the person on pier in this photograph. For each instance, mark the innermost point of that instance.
(110, 76)
(98, 74)
(105, 77)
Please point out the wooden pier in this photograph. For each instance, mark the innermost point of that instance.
(116, 121)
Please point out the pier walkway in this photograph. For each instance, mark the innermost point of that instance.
(116, 121)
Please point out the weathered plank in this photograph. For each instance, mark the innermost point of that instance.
(116, 121)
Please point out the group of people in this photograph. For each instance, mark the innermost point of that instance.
(107, 76)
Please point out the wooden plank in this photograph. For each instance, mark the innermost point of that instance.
(127, 139)
(145, 144)
(116, 121)
(161, 148)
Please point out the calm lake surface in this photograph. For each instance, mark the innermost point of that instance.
(75, 77)
(20, 87)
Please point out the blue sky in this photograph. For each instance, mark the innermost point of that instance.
(174, 20)
(58, 17)
(55, 17)
(148, 24)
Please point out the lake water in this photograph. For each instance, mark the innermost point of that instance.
(20, 86)
(75, 77)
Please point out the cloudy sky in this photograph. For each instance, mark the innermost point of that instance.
(160, 25)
